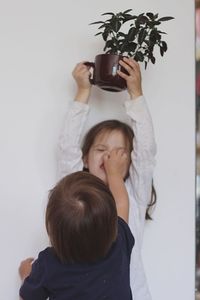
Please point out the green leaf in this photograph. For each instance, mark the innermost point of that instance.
(121, 34)
(161, 51)
(141, 20)
(148, 43)
(102, 26)
(108, 13)
(109, 44)
(155, 23)
(132, 46)
(153, 60)
(154, 36)
(98, 33)
(128, 18)
(162, 32)
(105, 35)
(128, 47)
(139, 56)
(155, 16)
(150, 15)
(123, 46)
(142, 35)
(165, 19)
(164, 46)
(98, 22)
(116, 25)
(126, 11)
(132, 33)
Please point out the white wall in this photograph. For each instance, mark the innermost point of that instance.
(41, 41)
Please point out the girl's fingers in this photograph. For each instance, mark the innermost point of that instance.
(133, 63)
(80, 66)
(118, 153)
(123, 75)
(106, 157)
(126, 66)
(130, 65)
(124, 155)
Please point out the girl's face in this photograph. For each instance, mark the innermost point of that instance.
(103, 144)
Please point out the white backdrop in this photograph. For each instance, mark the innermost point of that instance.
(41, 41)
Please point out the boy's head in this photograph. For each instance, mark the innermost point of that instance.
(100, 140)
(81, 218)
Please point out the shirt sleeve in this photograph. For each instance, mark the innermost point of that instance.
(69, 154)
(142, 156)
(127, 236)
(144, 150)
(139, 185)
(33, 286)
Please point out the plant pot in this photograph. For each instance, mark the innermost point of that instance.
(105, 72)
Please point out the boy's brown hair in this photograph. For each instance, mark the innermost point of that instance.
(81, 218)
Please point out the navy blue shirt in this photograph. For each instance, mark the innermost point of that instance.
(107, 279)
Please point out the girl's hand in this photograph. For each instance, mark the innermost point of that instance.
(116, 163)
(133, 80)
(81, 75)
(25, 268)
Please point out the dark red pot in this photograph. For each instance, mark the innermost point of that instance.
(105, 72)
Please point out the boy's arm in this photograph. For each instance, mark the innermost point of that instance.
(115, 163)
(25, 268)
(33, 275)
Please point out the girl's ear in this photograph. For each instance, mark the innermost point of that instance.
(85, 162)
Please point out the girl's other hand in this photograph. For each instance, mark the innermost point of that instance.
(134, 79)
(25, 268)
(81, 75)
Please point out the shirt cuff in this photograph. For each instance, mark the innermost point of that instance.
(80, 106)
(135, 104)
(137, 109)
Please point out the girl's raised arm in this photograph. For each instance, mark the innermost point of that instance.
(144, 147)
(139, 182)
(69, 153)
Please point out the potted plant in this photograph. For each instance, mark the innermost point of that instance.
(138, 41)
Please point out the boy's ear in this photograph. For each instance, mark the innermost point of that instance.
(85, 162)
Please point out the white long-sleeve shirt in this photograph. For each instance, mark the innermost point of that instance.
(139, 182)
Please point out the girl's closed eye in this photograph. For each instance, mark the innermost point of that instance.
(100, 148)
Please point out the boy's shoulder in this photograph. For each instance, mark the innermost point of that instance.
(46, 258)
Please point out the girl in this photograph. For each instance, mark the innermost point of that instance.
(109, 136)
